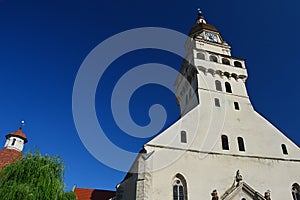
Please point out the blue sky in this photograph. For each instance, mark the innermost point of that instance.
(43, 44)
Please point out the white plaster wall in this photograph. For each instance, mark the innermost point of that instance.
(19, 143)
(207, 46)
(206, 78)
(203, 162)
(263, 164)
(206, 123)
(207, 81)
(218, 171)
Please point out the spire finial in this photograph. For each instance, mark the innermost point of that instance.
(214, 195)
(268, 195)
(22, 124)
(200, 19)
(199, 12)
(238, 177)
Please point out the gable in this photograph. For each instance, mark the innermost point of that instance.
(242, 192)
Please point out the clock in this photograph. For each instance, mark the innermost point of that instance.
(211, 37)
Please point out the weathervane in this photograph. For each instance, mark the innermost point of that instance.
(22, 124)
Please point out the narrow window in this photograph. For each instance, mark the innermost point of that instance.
(218, 85)
(235, 76)
(201, 56)
(183, 138)
(13, 142)
(213, 58)
(175, 192)
(181, 194)
(228, 87)
(225, 61)
(217, 102)
(236, 106)
(284, 149)
(237, 64)
(227, 74)
(225, 144)
(241, 144)
(179, 188)
(296, 191)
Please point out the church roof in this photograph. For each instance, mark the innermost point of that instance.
(200, 27)
(92, 194)
(8, 156)
(18, 133)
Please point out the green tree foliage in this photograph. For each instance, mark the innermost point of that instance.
(34, 177)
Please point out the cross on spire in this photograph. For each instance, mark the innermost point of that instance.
(22, 124)
(199, 12)
(200, 19)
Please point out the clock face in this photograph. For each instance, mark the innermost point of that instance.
(211, 37)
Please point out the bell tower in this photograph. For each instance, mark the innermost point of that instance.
(13, 147)
(209, 67)
(15, 140)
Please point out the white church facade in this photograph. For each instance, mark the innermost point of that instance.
(220, 148)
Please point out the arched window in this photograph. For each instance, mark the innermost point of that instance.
(225, 144)
(13, 142)
(183, 138)
(218, 72)
(235, 76)
(213, 58)
(284, 149)
(237, 64)
(241, 144)
(225, 61)
(296, 191)
(201, 56)
(218, 85)
(227, 74)
(179, 188)
(228, 87)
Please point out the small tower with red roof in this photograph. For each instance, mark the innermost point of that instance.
(13, 147)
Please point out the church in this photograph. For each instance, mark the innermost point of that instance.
(220, 148)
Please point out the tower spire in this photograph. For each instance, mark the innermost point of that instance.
(200, 19)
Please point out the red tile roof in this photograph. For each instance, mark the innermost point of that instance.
(8, 156)
(18, 133)
(92, 194)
